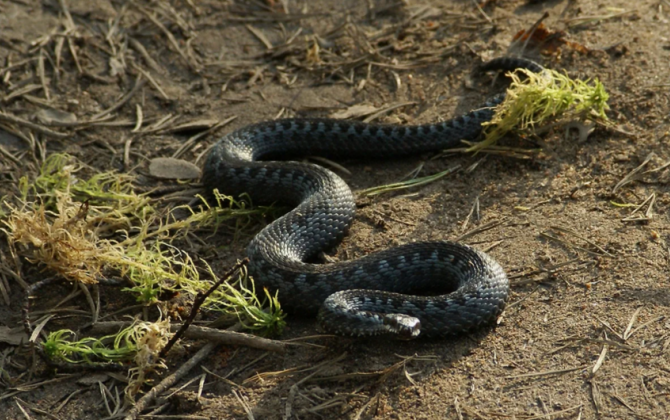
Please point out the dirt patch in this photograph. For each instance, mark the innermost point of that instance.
(585, 334)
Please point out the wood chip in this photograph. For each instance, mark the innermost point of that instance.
(55, 117)
(192, 126)
(12, 336)
(355, 111)
(171, 168)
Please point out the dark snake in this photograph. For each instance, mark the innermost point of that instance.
(435, 288)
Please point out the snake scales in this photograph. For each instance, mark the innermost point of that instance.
(428, 288)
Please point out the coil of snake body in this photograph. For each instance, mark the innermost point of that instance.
(434, 288)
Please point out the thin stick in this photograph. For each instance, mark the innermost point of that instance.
(261, 37)
(245, 406)
(601, 358)
(197, 303)
(633, 318)
(152, 81)
(234, 338)
(73, 51)
(483, 228)
(386, 110)
(191, 141)
(16, 65)
(646, 324)
(475, 208)
(532, 31)
(166, 383)
(555, 413)
(195, 332)
(545, 373)
(576, 235)
(4, 152)
(68, 16)
(143, 52)
(482, 11)
(26, 301)
(139, 82)
(628, 178)
(168, 34)
(43, 78)
(91, 303)
(25, 123)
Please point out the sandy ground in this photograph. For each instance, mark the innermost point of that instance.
(585, 335)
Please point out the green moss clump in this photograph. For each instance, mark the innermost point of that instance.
(534, 99)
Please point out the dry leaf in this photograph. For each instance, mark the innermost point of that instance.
(193, 126)
(355, 111)
(55, 116)
(12, 336)
(547, 40)
(171, 168)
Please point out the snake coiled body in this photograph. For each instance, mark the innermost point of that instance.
(432, 288)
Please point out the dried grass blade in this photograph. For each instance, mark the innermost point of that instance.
(633, 318)
(601, 358)
(629, 178)
(576, 235)
(407, 184)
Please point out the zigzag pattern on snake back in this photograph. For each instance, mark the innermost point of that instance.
(432, 288)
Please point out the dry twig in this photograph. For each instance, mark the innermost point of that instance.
(197, 303)
(166, 383)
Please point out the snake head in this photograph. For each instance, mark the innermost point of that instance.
(401, 326)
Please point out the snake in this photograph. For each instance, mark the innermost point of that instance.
(429, 289)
